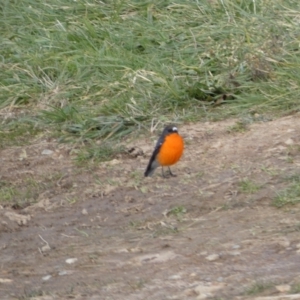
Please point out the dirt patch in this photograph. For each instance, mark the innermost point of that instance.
(110, 233)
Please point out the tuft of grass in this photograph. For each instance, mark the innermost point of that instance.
(8, 193)
(162, 231)
(30, 294)
(295, 288)
(20, 195)
(258, 287)
(238, 127)
(18, 131)
(291, 194)
(177, 211)
(248, 186)
(137, 285)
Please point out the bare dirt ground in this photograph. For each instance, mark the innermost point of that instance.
(109, 233)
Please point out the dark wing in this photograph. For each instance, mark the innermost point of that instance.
(153, 164)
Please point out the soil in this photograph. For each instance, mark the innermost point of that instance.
(106, 232)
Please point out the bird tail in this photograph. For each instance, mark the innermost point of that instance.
(151, 168)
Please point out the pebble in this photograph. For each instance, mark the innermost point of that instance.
(174, 277)
(212, 257)
(46, 248)
(47, 152)
(47, 277)
(5, 280)
(289, 142)
(64, 272)
(84, 212)
(71, 260)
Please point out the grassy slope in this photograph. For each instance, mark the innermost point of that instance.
(95, 69)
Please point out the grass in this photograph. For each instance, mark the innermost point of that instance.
(21, 194)
(177, 211)
(289, 195)
(248, 187)
(295, 288)
(239, 126)
(87, 70)
(18, 132)
(258, 287)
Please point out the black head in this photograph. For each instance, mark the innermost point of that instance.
(170, 129)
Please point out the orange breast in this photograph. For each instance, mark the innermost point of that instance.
(171, 150)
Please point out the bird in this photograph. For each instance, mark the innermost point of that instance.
(167, 152)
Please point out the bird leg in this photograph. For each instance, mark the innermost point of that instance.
(170, 173)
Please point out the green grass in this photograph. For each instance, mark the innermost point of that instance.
(295, 288)
(177, 211)
(26, 192)
(289, 195)
(247, 186)
(239, 126)
(89, 70)
(258, 287)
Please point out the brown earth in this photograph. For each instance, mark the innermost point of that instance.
(106, 232)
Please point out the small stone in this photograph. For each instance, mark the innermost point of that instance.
(71, 260)
(298, 246)
(236, 247)
(283, 288)
(212, 257)
(47, 277)
(5, 280)
(47, 152)
(122, 250)
(84, 212)
(289, 142)
(136, 250)
(46, 248)
(234, 253)
(64, 272)
(175, 277)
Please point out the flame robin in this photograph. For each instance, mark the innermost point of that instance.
(167, 151)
